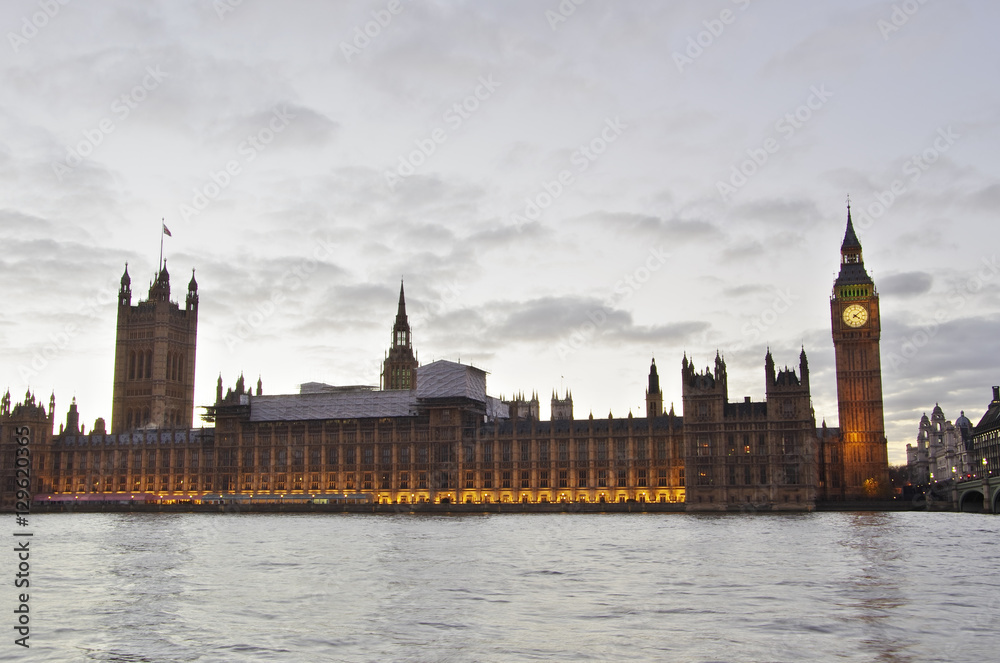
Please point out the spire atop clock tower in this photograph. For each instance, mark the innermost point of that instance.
(852, 264)
(851, 241)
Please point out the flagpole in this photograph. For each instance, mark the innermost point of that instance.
(163, 222)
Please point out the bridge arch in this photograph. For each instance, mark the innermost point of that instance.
(972, 501)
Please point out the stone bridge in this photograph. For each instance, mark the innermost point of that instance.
(978, 495)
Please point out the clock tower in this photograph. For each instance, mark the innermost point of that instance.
(857, 467)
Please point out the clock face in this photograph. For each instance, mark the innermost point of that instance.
(855, 315)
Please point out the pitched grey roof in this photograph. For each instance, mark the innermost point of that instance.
(990, 420)
(853, 274)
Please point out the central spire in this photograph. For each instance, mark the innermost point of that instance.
(399, 367)
(401, 324)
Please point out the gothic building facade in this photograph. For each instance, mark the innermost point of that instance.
(433, 434)
(749, 454)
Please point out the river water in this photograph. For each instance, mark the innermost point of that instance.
(518, 587)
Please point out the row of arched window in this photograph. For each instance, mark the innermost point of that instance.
(140, 365)
(851, 293)
(175, 366)
(136, 418)
(139, 417)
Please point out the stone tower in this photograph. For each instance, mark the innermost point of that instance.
(29, 422)
(854, 314)
(399, 369)
(654, 396)
(749, 454)
(154, 357)
(562, 408)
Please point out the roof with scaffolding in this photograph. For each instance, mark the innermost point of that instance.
(438, 380)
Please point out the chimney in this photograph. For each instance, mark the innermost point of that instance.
(996, 394)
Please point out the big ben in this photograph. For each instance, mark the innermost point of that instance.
(862, 458)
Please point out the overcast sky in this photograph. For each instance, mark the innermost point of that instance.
(567, 190)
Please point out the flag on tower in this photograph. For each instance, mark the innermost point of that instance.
(166, 231)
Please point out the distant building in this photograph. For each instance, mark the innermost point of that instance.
(985, 446)
(941, 452)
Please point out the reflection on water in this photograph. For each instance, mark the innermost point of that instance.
(554, 587)
(876, 596)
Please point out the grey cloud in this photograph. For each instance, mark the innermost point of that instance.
(13, 222)
(554, 320)
(742, 249)
(906, 284)
(676, 333)
(747, 289)
(986, 199)
(292, 125)
(811, 53)
(672, 230)
(954, 349)
(782, 211)
(551, 318)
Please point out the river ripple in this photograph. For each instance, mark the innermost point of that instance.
(511, 587)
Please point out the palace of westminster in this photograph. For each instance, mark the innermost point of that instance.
(431, 433)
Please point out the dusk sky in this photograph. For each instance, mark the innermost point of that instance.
(567, 190)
